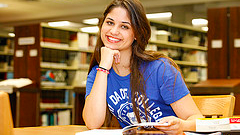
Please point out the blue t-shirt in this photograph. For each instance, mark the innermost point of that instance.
(164, 85)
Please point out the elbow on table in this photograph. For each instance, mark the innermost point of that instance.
(92, 123)
(93, 126)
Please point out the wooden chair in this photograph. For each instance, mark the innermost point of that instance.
(217, 106)
(6, 123)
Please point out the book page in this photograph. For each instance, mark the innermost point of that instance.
(101, 132)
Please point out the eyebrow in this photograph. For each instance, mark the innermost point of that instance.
(122, 21)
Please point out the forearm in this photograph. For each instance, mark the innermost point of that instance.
(190, 123)
(95, 105)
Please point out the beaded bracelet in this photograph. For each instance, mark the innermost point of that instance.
(103, 70)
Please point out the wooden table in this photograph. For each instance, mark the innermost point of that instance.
(73, 129)
(50, 130)
(65, 130)
(216, 86)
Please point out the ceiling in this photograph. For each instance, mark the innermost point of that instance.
(21, 12)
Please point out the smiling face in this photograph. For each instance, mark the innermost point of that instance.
(116, 31)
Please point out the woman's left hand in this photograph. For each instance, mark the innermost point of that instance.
(175, 125)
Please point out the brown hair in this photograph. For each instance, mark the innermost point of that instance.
(142, 32)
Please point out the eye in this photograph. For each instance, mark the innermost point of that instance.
(125, 27)
(110, 23)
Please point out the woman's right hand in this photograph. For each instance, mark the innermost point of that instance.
(108, 56)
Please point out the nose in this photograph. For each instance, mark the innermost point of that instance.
(114, 30)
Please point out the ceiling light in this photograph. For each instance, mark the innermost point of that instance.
(3, 5)
(11, 34)
(57, 24)
(159, 15)
(93, 21)
(93, 29)
(199, 22)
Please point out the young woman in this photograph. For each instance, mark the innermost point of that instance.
(136, 85)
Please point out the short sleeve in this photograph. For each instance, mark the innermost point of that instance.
(90, 80)
(172, 86)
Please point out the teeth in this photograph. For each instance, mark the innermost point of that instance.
(114, 39)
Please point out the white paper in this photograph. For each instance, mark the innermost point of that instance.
(101, 132)
(18, 83)
(19, 53)
(26, 40)
(237, 43)
(33, 53)
(217, 43)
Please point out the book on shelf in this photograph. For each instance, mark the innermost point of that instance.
(83, 40)
(54, 97)
(217, 124)
(92, 42)
(55, 37)
(78, 78)
(56, 117)
(84, 57)
(191, 40)
(64, 117)
(73, 40)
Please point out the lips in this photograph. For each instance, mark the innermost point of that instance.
(113, 39)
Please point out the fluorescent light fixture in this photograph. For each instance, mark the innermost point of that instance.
(93, 29)
(93, 21)
(58, 24)
(11, 34)
(3, 5)
(159, 15)
(205, 28)
(162, 32)
(199, 22)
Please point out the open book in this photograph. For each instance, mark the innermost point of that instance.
(144, 125)
(149, 126)
(131, 129)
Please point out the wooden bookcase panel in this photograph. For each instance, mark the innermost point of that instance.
(234, 42)
(27, 66)
(218, 30)
(223, 63)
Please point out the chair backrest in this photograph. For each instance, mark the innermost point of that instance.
(217, 106)
(6, 123)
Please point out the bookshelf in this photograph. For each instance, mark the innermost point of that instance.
(6, 57)
(178, 45)
(186, 45)
(60, 66)
(74, 61)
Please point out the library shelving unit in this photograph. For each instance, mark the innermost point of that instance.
(52, 58)
(186, 45)
(6, 57)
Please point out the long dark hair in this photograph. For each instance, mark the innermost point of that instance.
(142, 32)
